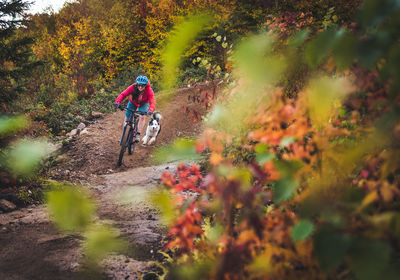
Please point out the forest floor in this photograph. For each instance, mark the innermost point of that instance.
(31, 247)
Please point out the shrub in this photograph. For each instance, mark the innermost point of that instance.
(193, 74)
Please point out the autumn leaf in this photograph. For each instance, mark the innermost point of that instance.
(215, 158)
(370, 198)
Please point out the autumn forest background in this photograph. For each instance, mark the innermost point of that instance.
(298, 168)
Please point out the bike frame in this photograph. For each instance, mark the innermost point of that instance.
(132, 123)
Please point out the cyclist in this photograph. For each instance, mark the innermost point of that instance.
(141, 98)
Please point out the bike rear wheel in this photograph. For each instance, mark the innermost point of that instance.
(125, 143)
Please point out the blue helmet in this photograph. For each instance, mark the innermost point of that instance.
(142, 80)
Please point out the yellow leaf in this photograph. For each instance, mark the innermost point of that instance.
(386, 192)
(324, 95)
(371, 197)
(261, 266)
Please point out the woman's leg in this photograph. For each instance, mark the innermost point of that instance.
(128, 114)
(141, 123)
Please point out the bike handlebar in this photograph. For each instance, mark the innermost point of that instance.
(134, 112)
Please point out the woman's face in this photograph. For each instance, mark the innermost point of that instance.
(141, 87)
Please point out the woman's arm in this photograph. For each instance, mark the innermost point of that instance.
(152, 100)
(124, 94)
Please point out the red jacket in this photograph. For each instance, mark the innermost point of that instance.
(146, 97)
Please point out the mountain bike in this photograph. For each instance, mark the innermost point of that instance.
(129, 133)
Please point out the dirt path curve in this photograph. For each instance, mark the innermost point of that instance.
(31, 248)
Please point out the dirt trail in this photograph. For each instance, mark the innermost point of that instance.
(31, 248)
(96, 152)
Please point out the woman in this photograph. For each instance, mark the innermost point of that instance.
(141, 98)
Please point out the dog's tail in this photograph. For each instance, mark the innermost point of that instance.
(157, 116)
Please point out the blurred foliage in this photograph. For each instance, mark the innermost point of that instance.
(303, 157)
(316, 195)
(20, 161)
(11, 125)
(100, 241)
(181, 149)
(178, 41)
(73, 211)
(25, 156)
(163, 201)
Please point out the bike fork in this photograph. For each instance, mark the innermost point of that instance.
(123, 134)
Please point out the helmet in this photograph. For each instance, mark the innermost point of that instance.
(142, 80)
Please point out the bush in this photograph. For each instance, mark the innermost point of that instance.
(193, 74)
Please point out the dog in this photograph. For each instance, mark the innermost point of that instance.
(152, 130)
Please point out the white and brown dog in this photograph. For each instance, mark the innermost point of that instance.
(152, 130)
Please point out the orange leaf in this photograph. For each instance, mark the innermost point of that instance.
(247, 236)
(215, 158)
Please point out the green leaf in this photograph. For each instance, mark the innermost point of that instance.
(262, 155)
(311, 205)
(224, 170)
(134, 195)
(181, 149)
(284, 189)
(330, 248)
(26, 156)
(317, 49)
(298, 39)
(179, 40)
(301, 230)
(212, 232)
(332, 217)
(101, 241)
(255, 60)
(70, 209)
(344, 51)
(369, 258)
(288, 168)
(9, 125)
(261, 148)
(287, 141)
(263, 158)
(163, 201)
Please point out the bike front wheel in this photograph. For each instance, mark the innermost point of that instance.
(124, 144)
